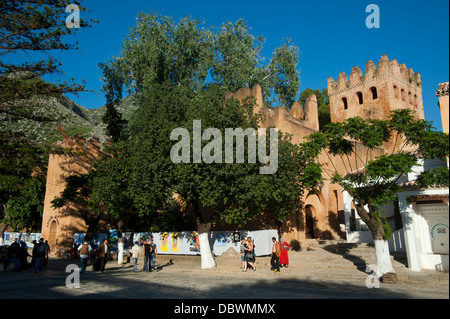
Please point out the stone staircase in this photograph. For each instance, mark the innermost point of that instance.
(341, 255)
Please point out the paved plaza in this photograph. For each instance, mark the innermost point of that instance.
(315, 274)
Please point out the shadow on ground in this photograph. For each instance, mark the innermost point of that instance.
(121, 282)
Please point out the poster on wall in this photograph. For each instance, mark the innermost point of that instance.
(194, 242)
(175, 242)
(164, 241)
(221, 239)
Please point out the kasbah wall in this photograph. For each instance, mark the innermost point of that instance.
(370, 95)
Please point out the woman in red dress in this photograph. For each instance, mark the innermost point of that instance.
(284, 258)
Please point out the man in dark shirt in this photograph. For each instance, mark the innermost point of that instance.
(153, 253)
(147, 256)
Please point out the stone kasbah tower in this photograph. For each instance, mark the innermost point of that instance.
(374, 94)
(370, 95)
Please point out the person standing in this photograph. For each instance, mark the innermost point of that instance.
(275, 260)
(120, 249)
(22, 255)
(147, 252)
(284, 257)
(85, 251)
(153, 254)
(102, 254)
(135, 252)
(38, 254)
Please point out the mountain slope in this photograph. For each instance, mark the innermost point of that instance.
(70, 116)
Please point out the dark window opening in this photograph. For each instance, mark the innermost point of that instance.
(374, 93)
(360, 98)
(344, 101)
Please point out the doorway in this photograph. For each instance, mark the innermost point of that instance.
(309, 223)
(52, 235)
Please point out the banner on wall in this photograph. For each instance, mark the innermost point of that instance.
(28, 238)
(187, 243)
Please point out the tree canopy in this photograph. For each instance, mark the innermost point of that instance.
(37, 28)
(375, 182)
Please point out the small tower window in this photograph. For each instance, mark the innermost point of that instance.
(403, 95)
(360, 98)
(374, 93)
(344, 102)
(416, 101)
(396, 95)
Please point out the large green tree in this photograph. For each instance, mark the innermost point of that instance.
(179, 74)
(142, 181)
(36, 28)
(374, 183)
(189, 54)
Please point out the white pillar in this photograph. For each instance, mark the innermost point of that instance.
(407, 212)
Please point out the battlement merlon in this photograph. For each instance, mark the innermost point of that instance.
(372, 72)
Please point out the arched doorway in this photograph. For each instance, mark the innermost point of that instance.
(52, 235)
(309, 223)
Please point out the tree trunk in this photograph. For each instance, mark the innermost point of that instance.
(3, 227)
(384, 264)
(204, 226)
(383, 257)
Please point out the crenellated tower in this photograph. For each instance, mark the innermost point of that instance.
(376, 92)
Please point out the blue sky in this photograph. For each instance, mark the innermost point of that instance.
(331, 35)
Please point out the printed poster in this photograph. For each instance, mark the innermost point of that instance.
(175, 242)
(194, 242)
(221, 239)
(164, 241)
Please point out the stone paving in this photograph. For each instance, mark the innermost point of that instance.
(314, 274)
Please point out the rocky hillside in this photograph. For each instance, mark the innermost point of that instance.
(70, 116)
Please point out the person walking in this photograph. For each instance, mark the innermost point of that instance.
(22, 255)
(275, 260)
(284, 257)
(84, 252)
(250, 255)
(243, 252)
(102, 254)
(47, 251)
(38, 254)
(147, 255)
(153, 254)
(135, 252)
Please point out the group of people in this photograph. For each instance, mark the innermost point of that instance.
(17, 254)
(279, 256)
(102, 254)
(150, 252)
(247, 254)
(145, 248)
